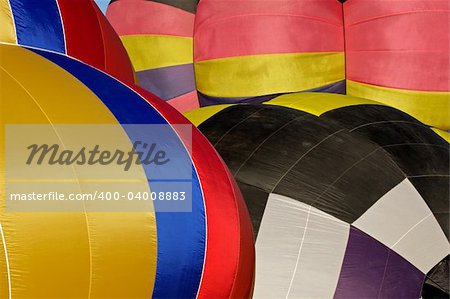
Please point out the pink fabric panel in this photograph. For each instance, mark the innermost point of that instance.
(399, 44)
(186, 102)
(146, 17)
(237, 28)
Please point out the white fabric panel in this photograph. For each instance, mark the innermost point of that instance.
(402, 221)
(425, 245)
(299, 251)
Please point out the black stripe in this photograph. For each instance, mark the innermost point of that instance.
(437, 281)
(263, 146)
(419, 152)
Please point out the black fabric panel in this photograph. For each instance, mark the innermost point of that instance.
(415, 148)
(420, 160)
(436, 193)
(187, 5)
(343, 181)
(256, 201)
(358, 115)
(225, 120)
(437, 281)
(273, 159)
(238, 130)
(301, 156)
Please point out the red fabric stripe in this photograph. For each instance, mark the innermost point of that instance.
(92, 39)
(147, 17)
(83, 37)
(244, 279)
(235, 28)
(399, 44)
(117, 62)
(229, 266)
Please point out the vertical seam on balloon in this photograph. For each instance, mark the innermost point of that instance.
(411, 228)
(73, 169)
(264, 141)
(206, 224)
(304, 155)
(428, 175)
(13, 21)
(62, 26)
(156, 110)
(388, 122)
(226, 133)
(238, 214)
(102, 35)
(299, 252)
(384, 275)
(297, 206)
(8, 271)
(359, 161)
(345, 47)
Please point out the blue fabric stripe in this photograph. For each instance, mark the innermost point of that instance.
(181, 236)
(38, 24)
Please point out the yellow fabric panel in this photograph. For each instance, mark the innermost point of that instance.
(4, 290)
(155, 51)
(444, 134)
(7, 30)
(255, 75)
(198, 116)
(431, 108)
(318, 103)
(60, 255)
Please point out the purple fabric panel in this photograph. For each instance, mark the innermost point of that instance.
(205, 100)
(209, 101)
(338, 87)
(372, 270)
(168, 82)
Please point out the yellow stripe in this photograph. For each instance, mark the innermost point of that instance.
(55, 255)
(248, 76)
(7, 30)
(155, 51)
(432, 108)
(198, 116)
(444, 134)
(318, 103)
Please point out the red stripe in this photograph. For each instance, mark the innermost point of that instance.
(229, 266)
(83, 36)
(147, 17)
(227, 29)
(91, 39)
(117, 62)
(399, 44)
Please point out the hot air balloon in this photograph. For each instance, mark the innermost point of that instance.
(158, 38)
(75, 28)
(265, 48)
(398, 53)
(206, 253)
(348, 197)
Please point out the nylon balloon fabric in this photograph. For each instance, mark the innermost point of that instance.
(127, 254)
(398, 53)
(259, 46)
(75, 28)
(348, 197)
(158, 38)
